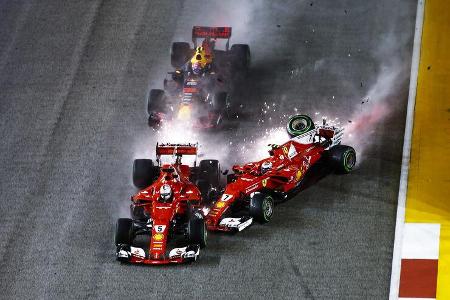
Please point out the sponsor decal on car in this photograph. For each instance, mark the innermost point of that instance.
(252, 187)
(158, 237)
(292, 152)
(298, 175)
(220, 204)
(264, 182)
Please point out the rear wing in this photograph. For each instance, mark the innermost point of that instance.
(211, 32)
(332, 133)
(176, 150)
(327, 134)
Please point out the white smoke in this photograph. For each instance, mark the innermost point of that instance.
(381, 99)
(249, 26)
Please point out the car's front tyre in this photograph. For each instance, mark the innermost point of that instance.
(261, 207)
(196, 230)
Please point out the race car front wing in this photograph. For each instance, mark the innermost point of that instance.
(137, 255)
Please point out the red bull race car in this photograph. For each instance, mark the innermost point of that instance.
(252, 190)
(197, 92)
(167, 208)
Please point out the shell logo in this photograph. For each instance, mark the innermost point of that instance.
(220, 204)
(158, 237)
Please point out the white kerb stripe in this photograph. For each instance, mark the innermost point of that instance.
(396, 256)
(421, 241)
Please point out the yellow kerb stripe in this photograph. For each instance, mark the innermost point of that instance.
(428, 197)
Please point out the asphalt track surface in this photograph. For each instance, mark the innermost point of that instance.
(73, 79)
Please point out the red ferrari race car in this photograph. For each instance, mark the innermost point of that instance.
(198, 90)
(253, 188)
(167, 208)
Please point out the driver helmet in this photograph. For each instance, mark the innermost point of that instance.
(197, 68)
(165, 192)
(199, 61)
(266, 166)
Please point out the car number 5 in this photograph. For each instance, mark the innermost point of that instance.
(160, 228)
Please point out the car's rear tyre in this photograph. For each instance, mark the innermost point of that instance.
(144, 173)
(179, 54)
(343, 158)
(220, 101)
(208, 179)
(155, 101)
(299, 124)
(209, 170)
(241, 56)
(261, 207)
(124, 231)
(205, 187)
(196, 230)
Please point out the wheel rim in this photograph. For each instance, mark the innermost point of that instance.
(299, 124)
(350, 160)
(267, 208)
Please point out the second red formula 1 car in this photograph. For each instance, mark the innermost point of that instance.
(167, 208)
(253, 188)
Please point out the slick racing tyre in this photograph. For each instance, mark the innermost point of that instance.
(210, 172)
(343, 158)
(124, 231)
(196, 229)
(155, 101)
(299, 124)
(241, 56)
(220, 102)
(261, 207)
(144, 173)
(179, 54)
(205, 188)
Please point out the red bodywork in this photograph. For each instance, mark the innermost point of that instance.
(290, 162)
(177, 176)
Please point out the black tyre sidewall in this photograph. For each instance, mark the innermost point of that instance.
(220, 101)
(179, 54)
(339, 158)
(197, 233)
(144, 173)
(295, 132)
(241, 56)
(256, 209)
(210, 172)
(124, 228)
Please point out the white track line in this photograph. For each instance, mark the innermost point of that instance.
(396, 259)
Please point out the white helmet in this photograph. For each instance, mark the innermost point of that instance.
(266, 166)
(165, 192)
